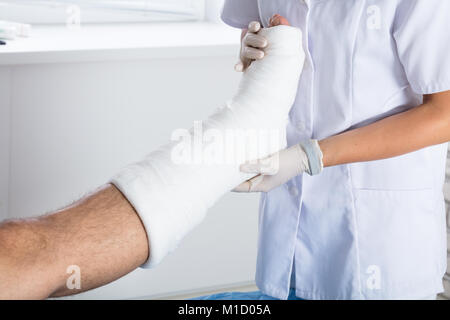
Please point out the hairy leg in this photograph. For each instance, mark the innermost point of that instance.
(101, 234)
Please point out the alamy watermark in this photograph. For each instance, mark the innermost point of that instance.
(73, 18)
(73, 282)
(210, 146)
(373, 281)
(373, 17)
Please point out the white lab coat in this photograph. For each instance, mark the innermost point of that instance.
(371, 230)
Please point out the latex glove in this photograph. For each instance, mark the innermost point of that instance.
(252, 47)
(279, 168)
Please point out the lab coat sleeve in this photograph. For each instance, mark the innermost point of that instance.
(422, 36)
(239, 13)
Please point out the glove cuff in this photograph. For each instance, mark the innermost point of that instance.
(314, 154)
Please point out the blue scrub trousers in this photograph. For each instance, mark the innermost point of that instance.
(254, 295)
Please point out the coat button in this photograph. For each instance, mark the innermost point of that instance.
(300, 126)
(293, 191)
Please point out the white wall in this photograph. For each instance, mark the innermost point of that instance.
(66, 128)
(5, 92)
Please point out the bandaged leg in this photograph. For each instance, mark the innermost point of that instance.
(173, 187)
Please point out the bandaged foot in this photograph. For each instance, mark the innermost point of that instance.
(174, 186)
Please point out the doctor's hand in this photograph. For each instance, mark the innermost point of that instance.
(282, 166)
(253, 44)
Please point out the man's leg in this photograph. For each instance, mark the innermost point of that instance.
(101, 234)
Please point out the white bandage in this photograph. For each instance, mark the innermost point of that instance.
(172, 198)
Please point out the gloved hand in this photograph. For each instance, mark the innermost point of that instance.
(252, 46)
(279, 168)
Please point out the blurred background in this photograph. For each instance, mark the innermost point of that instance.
(97, 85)
(113, 11)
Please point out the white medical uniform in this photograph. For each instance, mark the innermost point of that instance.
(371, 230)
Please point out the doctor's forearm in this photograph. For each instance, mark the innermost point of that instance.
(420, 127)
